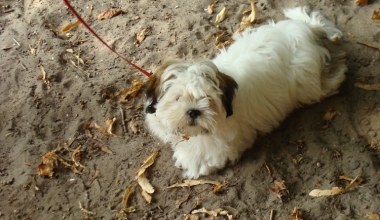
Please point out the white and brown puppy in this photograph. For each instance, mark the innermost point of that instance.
(211, 110)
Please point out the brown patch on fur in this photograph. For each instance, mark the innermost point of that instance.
(152, 89)
(228, 86)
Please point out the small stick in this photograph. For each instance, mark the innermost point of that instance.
(85, 210)
(23, 66)
(16, 42)
(271, 215)
(123, 120)
(266, 166)
(369, 45)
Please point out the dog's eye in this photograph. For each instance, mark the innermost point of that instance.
(176, 99)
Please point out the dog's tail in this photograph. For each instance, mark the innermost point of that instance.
(314, 19)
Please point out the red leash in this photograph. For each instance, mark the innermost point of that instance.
(97, 36)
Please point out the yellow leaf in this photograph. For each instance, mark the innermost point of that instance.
(221, 16)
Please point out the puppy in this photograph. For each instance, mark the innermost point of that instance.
(211, 111)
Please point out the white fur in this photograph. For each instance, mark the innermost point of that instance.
(278, 67)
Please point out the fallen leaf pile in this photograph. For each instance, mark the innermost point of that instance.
(337, 190)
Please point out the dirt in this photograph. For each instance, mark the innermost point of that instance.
(39, 115)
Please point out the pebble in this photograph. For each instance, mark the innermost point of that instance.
(354, 165)
(319, 164)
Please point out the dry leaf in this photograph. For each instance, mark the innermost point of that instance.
(368, 86)
(109, 14)
(329, 115)
(33, 50)
(147, 163)
(210, 7)
(375, 15)
(191, 217)
(77, 23)
(144, 183)
(108, 130)
(187, 183)
(45, 80)
(106, 149)
(213, 213)
(370, 108)
(361, 2)
(373, 216)
(128, 94)
(279, 187)
(221, 16)
(248, 20)
(109, 124)
(48, 163)
(133, 126)
(326, 192)
(74, 159)
(126, 195)
(296, 215)
(146, 196)
(140, 37)
(216, 189)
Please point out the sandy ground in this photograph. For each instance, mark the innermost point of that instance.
(38, 116)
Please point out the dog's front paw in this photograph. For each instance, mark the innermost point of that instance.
(195, 166)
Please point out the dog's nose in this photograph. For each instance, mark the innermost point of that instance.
(193, 113)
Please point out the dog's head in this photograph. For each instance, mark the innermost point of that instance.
(190, 98)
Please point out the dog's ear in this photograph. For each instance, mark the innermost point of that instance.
(228, 86)
(152, 87)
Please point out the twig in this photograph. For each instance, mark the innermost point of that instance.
(271, 215)
(369, 45)
(23, 66)
(16, 42)
(266, 166)
(85, 210)
(123, 120)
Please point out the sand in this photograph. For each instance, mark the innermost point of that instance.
(41, 115)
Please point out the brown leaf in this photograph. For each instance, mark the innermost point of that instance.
(361, 2)
(248, 20)
(109, 14)
(127, 209)
(221, 16)
(329, 115)
(133, 126)
(376, 15)
(147, 163)
(146, 196)
(216, 189)
(74, 159)
(295, 214)
(373, 216)
(106, 149)
(108, 130)
(140, 37)
(127, 95)
(210, 7)
(48, 163)
(368, 86)
(279, 186)
(370, 108)
(187, 183)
